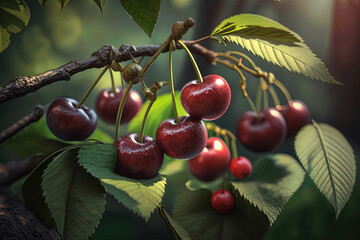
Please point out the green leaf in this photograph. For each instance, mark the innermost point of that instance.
(14, 16)
(4, 39)
(274, 179)
(276, 47)
(195, 184)
(141, 196)
(161, 109)
(144, 12)
(63, 3)
(42, 2)
(256, 26)
(174, 226)
(100, 4)
(329, 160)
(76, 200)
(33, 194)
(195, 214)
(36, 138)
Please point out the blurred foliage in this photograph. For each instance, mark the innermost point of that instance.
(54, 37)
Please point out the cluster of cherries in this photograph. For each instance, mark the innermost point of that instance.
(184, 137)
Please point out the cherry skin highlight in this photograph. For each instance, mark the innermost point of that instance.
(212, 162)
(296, 115)
(107, 104)
(263, 133)
(138, 160)
(208, 100)
(68, 122)
(240, 167)
(183, 140)
(222, 201)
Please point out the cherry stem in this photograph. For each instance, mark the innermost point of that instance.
(274, 95)
(92, 86)
(120, 67)
(192, 61)
(234, 67)
(198, 40)
(252, 105)
(177, 120)
(266, 99)
(226, 134)
(113, 88)
(258, 97)
(283, 90)
(121, 108)
(141, 136)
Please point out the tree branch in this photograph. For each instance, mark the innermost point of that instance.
(15, 170)
(20, 86)
(19, 125)
(18, 222)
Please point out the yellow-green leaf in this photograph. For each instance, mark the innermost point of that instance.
(329, 160)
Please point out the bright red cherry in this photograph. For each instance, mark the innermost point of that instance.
(183, 140)
(222, 201)
(138, 160)
(261, 133)
(296, 115)
(240, 167)
(208, 100)
(212, 162)
(68, 122)
(107, 103)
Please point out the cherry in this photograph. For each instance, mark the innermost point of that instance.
(296, 115)
(107, 104)
(212, 162)
(208, 100)
(240, 167)
(261, 133)
(68, 122)
(138, 160)
(183, 140)
(222, 201)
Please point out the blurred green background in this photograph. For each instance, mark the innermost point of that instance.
(54, 37)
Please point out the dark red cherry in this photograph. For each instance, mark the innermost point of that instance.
(183, 140)
(68, 122)
(261, 133)
(107, 104)
(296, 115)
(240, 167)
(138, 160)
(212, 162)
(222, 201)
(208, 100)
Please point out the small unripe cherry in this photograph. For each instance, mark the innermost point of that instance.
(240, 167)
(131, 72)
(222, 201)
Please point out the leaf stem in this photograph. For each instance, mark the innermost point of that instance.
(92, 86)
(177, 120)
(199, 40)
(120, 109)
(192, 61)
